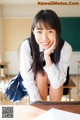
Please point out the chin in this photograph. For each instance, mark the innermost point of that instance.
(45, 48)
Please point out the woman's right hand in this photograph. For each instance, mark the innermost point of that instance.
(47, 53)
(50, 50)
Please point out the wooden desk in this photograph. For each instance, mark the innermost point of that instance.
(78, 62)
(29, 112)
(3, 65)
(78, 80)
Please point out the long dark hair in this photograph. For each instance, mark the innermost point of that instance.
(47, 17)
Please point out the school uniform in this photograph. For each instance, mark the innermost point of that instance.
(56, 72)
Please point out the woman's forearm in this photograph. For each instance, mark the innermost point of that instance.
(48, 60)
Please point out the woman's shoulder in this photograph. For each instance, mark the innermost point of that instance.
(25, 45)
(66, 47)
(66, 51)
(25, 42)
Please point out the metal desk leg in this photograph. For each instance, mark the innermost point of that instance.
(1, 95)
(78, 80)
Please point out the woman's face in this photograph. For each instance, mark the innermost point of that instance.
(45, 37)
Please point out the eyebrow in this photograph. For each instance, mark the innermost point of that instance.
(42, 28)
(39, 28)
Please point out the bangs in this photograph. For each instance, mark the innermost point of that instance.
(42, 24)
(47, 22)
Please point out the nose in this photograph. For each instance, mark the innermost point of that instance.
(44, 37)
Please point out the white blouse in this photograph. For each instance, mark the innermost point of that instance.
(56, 73)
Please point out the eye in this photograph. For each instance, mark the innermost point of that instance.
(39, 31)
(50, 31)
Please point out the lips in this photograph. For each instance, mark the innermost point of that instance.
(45, 43)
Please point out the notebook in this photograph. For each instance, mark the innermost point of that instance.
(56, 114)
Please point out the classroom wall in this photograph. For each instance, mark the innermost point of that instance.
(15, 31)
(16, 18)
(29, 10)
(0, 35)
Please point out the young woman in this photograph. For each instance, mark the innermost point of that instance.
(44, 58)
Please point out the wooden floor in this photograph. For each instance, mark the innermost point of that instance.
(74, 95)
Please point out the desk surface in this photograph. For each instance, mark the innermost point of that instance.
(78, 62)
(71, 84)
(4, 63)
(29, 112)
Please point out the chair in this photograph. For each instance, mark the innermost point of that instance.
(66, 90)
(68, 85)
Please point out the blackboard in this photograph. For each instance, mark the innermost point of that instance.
(71, 31)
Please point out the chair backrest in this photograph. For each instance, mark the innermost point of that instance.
(66, 90)
(67, 77)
